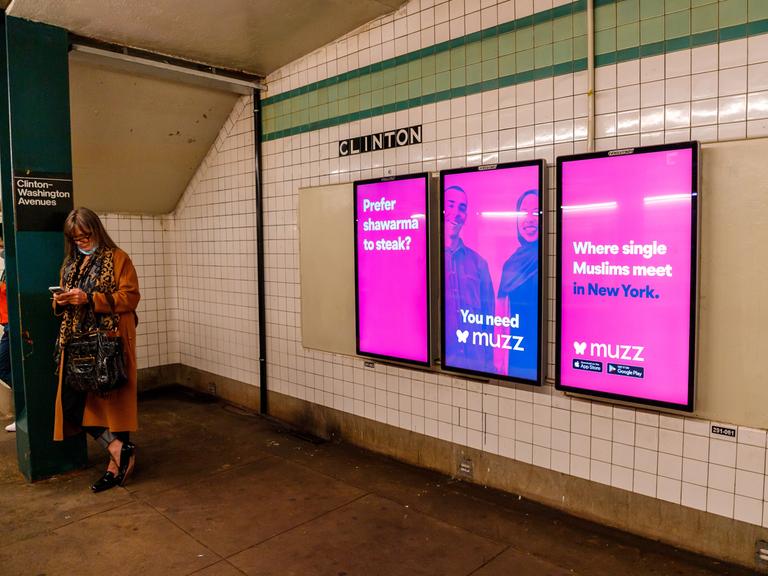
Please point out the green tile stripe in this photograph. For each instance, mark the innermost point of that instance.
(527, 21)
(693, 41)
(510, 80)
(545, 44)
(479, 61)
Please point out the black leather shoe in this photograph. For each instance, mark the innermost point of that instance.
(109, 480)
(127, 461)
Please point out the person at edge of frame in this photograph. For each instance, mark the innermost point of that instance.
(5, 344)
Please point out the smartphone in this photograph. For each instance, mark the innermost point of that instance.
(55, 289)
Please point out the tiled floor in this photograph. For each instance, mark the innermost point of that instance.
(220, 492)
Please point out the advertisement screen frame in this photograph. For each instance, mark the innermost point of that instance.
(427, 271)
(541, 321)
(693, 306)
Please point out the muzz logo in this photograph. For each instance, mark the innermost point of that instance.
(614, 351)
(489, 336)
(503, 341)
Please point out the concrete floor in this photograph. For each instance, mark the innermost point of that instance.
(222, 492)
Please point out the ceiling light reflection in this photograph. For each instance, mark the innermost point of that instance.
(591, 207)
(667, 198)
(502, 215)
(627, 123)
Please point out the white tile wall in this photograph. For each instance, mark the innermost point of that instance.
(211, 243)
(142, 238)
(198, 272)
(197, 266)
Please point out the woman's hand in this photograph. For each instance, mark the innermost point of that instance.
(74, 297)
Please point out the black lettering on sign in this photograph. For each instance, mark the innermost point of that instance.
(724, 431)
(380, 141)
(41, 202)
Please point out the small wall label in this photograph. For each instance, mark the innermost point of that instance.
(465, 468)
(724, 431)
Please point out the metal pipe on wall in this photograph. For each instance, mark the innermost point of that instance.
(147, 63)
(263, 399)
(590, 75)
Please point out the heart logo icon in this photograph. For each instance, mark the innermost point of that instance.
(462, 335)
(580, 347)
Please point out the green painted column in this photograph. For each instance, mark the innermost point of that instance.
(35, 142)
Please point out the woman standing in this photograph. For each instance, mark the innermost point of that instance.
(100, 289)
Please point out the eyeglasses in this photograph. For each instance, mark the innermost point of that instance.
(81, 238)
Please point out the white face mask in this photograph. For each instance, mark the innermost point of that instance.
(87, 252)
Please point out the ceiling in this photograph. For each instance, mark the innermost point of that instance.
(138, 140)
(255, 36)
(139, 135)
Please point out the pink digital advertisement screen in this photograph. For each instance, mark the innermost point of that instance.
(627, 274)
(491, 271)
(392, 268)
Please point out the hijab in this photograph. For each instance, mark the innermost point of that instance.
(524, 262)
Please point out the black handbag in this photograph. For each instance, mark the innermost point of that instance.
(94, 362)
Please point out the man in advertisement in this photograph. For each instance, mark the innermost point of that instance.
(468, 287)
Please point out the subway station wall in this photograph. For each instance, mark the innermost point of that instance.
(197, 265)
(505, 81)
(509, 85)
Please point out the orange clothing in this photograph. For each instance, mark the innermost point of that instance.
(3, 303)
(117, 411)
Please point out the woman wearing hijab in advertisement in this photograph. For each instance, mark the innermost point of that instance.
(519, 292)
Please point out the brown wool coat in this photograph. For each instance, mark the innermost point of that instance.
(118, 411)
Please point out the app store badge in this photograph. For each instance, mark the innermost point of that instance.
(624, 370)
(587, 365)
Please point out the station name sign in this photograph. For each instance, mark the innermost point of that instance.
(380, 141)
(42, 201)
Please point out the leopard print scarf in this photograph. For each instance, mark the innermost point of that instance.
(95, 275)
